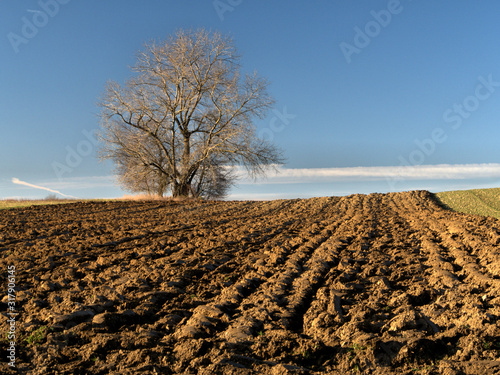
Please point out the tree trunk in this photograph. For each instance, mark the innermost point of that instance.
(161, 189)
(161, 184)
(181, 190)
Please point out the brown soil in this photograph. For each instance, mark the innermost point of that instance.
(369, 284)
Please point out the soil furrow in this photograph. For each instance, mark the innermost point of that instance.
(376, 284)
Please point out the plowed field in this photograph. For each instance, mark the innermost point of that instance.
(369, 284)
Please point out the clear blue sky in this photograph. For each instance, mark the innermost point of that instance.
(370, 84)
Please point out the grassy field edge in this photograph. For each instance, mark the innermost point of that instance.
(20, 203)
(485, 202)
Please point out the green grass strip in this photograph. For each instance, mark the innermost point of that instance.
(485, 202)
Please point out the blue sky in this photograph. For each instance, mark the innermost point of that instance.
(371, 95)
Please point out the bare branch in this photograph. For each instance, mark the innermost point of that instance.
(185, 118)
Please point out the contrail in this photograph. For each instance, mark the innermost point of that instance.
(19, 182)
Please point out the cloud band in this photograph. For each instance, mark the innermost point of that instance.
(19, 182)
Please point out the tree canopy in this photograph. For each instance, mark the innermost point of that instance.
(184, 120)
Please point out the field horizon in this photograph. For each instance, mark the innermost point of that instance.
(483, 202)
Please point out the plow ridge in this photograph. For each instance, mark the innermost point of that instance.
(379, 284)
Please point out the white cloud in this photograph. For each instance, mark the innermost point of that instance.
(89, 182)
(75, 185)
(419, 172)
(376, 178)
(19, 182)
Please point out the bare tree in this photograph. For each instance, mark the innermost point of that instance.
(185, 119)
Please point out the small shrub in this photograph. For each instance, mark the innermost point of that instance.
(37, 336)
